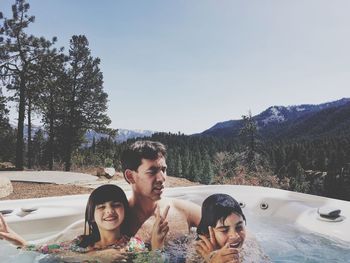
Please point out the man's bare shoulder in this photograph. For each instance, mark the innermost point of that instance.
(188, 209)
(185, 204)
(180, 204)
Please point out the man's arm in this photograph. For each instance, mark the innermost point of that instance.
(191, 210)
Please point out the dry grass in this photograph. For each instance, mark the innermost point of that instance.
(23, 190)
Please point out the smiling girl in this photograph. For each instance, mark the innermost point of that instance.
(106, 222)
(221, 231)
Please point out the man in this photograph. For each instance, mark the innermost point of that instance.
(144, 168)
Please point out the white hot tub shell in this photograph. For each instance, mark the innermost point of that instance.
(55, 214)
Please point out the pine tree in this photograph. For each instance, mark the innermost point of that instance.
(18, 52)
(86, 102)
(49, 101)
(193, 175)
(186, 163)
(39, 143)
(171, 162)
(198, 168)
(280, 156)
(7, 137)
(208, 171)
(248, 134)
(320, 160)
(179, 172)
(296, 173)
(282, 172)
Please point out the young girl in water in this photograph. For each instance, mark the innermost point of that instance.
(221, 231)
(106, 222)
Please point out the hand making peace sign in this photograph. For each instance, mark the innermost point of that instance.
(160, 228)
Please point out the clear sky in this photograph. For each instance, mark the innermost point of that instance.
(184, 65)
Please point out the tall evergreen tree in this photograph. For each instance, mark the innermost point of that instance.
(7, 138)
(86, 102)
(280, 156)
(39, 143)
(248, 134)
(18, 51)
(50, 100)
(208, 171)
(193, 175)
(186, 163)
(296, 173)
(178, 165)
(171, 162)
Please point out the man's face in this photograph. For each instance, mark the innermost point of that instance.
(150, 177)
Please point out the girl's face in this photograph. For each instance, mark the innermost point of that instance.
(109, 215)
(231, 231)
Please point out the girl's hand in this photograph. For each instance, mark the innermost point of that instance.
(225, 254)
(206, 246)
(8, 234)
(160, 229)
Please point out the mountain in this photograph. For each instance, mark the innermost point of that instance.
(122, 135)
(293, 121)
(35, 128)
(325, 122)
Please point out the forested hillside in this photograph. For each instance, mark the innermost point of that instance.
(311, 164)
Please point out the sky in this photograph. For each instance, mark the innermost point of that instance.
(184, 65)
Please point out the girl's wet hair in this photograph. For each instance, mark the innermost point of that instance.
(217, 207)
(102, 194)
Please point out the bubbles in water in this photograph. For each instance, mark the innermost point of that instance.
(287, 243)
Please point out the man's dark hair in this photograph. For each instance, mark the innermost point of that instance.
(132, 157)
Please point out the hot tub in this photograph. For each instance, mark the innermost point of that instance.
(273, 215)
(297, 208)
(49, 217)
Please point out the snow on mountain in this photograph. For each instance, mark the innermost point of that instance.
(300, 108)
(275, 116)
(124, 134)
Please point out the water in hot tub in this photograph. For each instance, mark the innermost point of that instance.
(281, 241)
(285, 242)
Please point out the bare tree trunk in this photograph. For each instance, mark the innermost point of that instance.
(71, 131)
(20, 125)
(51, 134)
(68, 155)
(30, 148)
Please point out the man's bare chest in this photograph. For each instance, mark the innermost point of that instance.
(178, 226)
